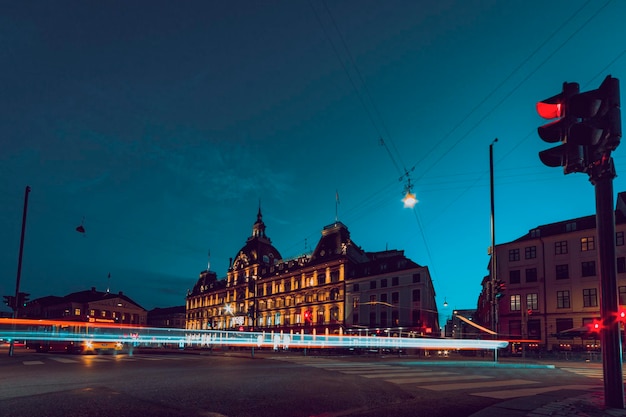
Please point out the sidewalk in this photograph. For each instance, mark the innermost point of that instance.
(559, 403)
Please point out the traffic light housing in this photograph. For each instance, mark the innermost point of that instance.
(588, 126)
(22, 299)
(499, 289)
(9, 300)
(567, 155)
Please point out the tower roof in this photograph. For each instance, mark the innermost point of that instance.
(258, 248)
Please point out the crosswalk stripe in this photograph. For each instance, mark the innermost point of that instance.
(32, 362)
(526, 392)
(473, 385)
(367, 370)
(423, 379)
(64, 360)
(412, 376)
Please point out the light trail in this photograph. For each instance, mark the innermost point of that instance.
(50, 330)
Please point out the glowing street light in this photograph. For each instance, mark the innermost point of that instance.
(410, 199)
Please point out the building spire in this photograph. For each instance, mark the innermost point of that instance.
(258, 229)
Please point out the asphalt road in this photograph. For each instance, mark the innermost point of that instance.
(237, 385)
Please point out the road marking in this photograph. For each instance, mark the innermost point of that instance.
(473, 385)
(32, 362)
(64, 360)
(402, 377)
(590, 373)
(526, 392)
(422, 379)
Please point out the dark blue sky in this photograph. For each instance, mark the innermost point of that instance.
(162, 124)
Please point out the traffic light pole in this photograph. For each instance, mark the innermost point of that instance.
(601, 176)
(19, 266)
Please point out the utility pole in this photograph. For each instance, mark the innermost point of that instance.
(19, 266)
(493, 277)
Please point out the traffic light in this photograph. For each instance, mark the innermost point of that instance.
(499, 289)
(567, 155)
(22, 299)
(589, 126)
(598, 128)
(9, 300)
(307, 316)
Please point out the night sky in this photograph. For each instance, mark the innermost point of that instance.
(160, 126)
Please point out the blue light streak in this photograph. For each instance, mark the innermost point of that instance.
(37, 330)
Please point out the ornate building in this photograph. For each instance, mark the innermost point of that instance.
(307, 294)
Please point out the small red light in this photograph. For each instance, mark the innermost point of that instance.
(548, 110)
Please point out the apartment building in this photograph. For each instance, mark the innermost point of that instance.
(551, 284)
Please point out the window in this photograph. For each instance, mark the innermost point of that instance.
(394, 281)
(372, 319)
(515, 327)
(416, 316)
(570, 227)
(383, 318)
(531, 275)
(562, 299)
(621, 264)
(77, 311)
(383, 298)
(383, 283)
(560, 248)
(530, 252)
(619, 239)
(514, 276)
(535, 233)
(395, 318)
(372, 301)
(531, 302)
(564, 324)
(588, 268)
(395, 297)
(516, 304)
(622, 295)
(587, 244)
(321, 279)
(513, 254)
(417, 278)
(590, 297)
(372, 285)
(562, 271)
(417, 295)
(355, 287)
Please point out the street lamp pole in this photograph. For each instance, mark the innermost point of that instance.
(19, 265)
(493, 300)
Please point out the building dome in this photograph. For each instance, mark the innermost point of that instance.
(258, 249)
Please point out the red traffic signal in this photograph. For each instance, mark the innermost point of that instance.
(307, 315)
(589, 126)
(567, 155)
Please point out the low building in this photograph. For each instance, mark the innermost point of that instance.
(87, 306)
(167, 317)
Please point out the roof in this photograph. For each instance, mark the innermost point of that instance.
(83, 297)
(580, 223)
(258, 248)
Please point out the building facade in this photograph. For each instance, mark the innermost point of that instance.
(87, 306)
(317, 293)
(551, 284)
